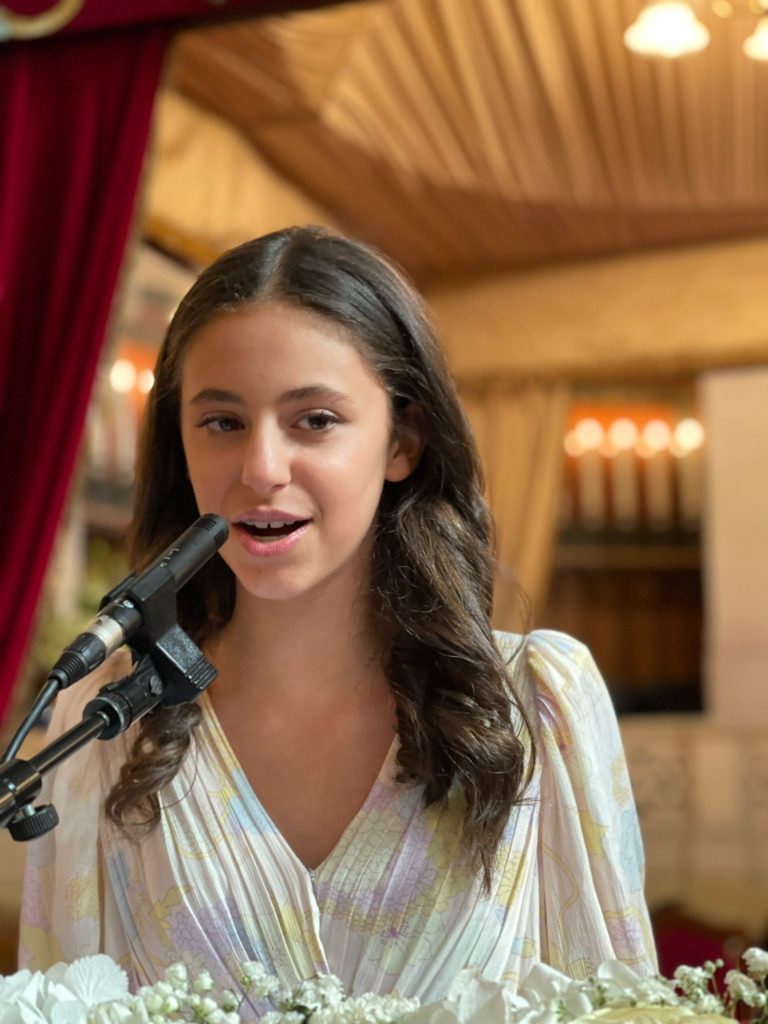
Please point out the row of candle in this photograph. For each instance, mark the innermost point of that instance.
(626, 493)
(624, 434)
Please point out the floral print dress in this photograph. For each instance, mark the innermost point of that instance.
(395, 906)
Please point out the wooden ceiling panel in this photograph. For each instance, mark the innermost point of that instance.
(253, 72)
(465, 137)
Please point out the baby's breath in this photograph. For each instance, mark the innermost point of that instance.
(612, 995)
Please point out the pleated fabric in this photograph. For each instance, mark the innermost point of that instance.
(396, 906)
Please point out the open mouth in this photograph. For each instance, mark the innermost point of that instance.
(271, 531)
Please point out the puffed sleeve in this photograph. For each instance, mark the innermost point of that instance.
(63, 896)
(590, 855)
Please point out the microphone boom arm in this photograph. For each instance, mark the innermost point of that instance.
(184, 674)
(169, 669)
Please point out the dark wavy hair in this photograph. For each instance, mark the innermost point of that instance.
(432, 562)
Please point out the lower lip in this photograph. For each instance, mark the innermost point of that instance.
(268, 548)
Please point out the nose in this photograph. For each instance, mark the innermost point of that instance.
(266, 460)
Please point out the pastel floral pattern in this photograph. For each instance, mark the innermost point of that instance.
(395, 906)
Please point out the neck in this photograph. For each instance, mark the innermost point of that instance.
(309, 650)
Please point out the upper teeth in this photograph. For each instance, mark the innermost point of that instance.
(262, 524)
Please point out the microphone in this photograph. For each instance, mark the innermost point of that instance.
(141, 606)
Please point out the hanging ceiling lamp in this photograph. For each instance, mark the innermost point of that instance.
(756, 46)
(668, 28)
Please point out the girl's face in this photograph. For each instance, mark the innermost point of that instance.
(288, 436)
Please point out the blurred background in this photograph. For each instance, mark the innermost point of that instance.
(579, 188)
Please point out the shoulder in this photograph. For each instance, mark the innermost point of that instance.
(554, 674)
(548, 645)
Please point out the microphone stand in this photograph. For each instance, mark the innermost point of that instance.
(169, 670)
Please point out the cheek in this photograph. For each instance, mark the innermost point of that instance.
(357, 468)
(207, 475)
(356, 483)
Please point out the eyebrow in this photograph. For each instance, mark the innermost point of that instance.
(320, 391)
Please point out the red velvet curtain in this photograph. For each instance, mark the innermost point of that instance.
(74, 119)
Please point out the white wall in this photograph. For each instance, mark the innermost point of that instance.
(735, 413)
(701, 781)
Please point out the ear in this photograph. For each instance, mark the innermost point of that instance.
(407, 444)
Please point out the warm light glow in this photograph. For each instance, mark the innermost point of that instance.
(622, 434)
(666, 29)
(588, 434)
(688, 435)
(571, 445)
(145, 381)
(756, 46)
(122, 376)
(656, 436)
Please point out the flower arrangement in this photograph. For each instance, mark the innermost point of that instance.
(94, 990)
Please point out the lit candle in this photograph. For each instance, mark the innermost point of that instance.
(690, 474)
(658, 490)
(625, 497)
(591, 483)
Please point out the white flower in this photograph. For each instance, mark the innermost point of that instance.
(203, 982)
(65, 994)
(228, 1001)
(369, 1009)
(259, 985)
(24, 985)
(757, 963)
(115, 1013)
(286, 1017)
(618, 974)
(656, 992)
(576, 1001)
(94, 991)
(14, 984)
(139, 1014)
(693, 981)
(177, 977)
(324, 991)
(473, 999)
(68, 1011)
(252, 971)
(709, 1004)
(94, 979)
(152, 1001)
(742, 988)
(138, 1011)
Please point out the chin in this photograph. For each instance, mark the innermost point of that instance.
(270, 587)
(333, 587)
(268, 590)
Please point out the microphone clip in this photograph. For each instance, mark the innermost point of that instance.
(180, 664)
(172, 670)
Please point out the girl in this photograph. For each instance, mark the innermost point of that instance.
(376, 785)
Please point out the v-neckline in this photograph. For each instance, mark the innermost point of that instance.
(384, 771)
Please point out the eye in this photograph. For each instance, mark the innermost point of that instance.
(219, 423)
(318, 420)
